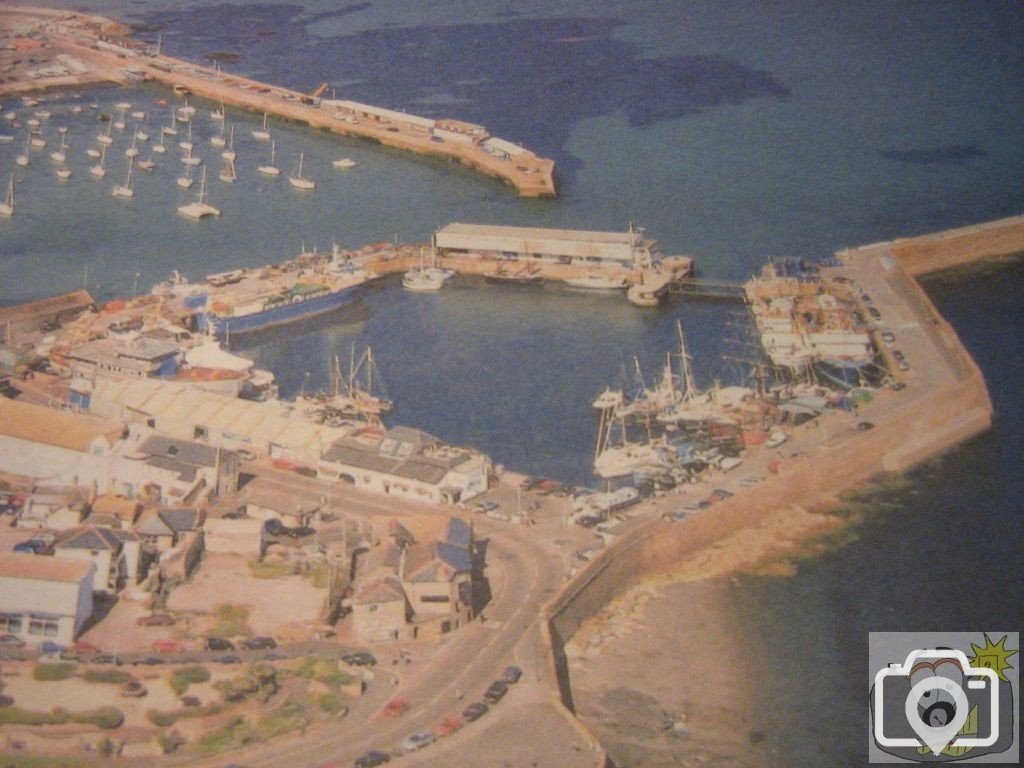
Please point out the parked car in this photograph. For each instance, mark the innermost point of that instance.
(155, 620)
(259, 643)
(486, 506)
(588, 521)
(274, 527)
(448, 726)
(418, 740)
(360, 659)
(228, 658)
(395, 707)
(150, 661)
(32, 547)
(299, 532)
(107, 658)
(864, 426)
(874, 313)
(11, 641)
(168, 646)
(496, 692)
(372, 759)
(512, 674)
(219, 644)
(474, 711)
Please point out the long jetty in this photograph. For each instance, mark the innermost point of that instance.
(118, 58)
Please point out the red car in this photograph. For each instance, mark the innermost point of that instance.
(168, 646)
(395, 707)
(155, 620)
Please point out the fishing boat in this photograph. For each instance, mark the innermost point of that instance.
(99, 170)
(343, 163)
(270, 169)
(200, 209)
(254, 300)
(299, 181)
(186, 181)
(596, 282)
(262, 134)
(125, 190)
(7, 206)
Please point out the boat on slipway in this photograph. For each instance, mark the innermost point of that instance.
(246, 300)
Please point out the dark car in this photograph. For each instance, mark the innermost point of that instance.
(228, 659)
(898, 355)
(864, 426)
(149, 661)
(588, 521)
(372, 759)
(219, 644)
(32, 547)
(360, 659)
(874, 313)
(107, 658)
(274, 527)
(259, 643)
(496, 692)
(512, 674)
(299, 532)
(474, 711)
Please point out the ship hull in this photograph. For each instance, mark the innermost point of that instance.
(282, 314)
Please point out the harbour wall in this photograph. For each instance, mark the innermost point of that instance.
(936, 419)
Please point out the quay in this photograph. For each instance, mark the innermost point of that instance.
(106, 47)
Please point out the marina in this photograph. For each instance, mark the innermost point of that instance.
(337, 377)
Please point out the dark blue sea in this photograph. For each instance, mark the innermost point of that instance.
(732, 131)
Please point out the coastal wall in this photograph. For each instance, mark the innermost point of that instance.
(936, 419)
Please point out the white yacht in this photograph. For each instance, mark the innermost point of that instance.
(60, 155)
(7, 206)
(271, 169)
(105, 138)
(160, 148)
(228, 172)
(132, 151)
(345, 162)
(99, 170)
(229, 153)
(262, 134)
(299, 181)
(186, 181)
(199, 209)
(125, 190)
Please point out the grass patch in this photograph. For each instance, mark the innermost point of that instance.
(331, 703)
(112, 676)
(103, 717)
(234, 734)
(325, 670)
(34, 761)
(232, 620)
(184, 677)
(289, 717)
(270, 570)
(61, 670)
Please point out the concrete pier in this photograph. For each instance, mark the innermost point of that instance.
(110, 55)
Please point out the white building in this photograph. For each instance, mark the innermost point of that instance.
(44, 598)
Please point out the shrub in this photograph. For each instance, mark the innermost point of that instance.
(289, 717)
(161, 719)
(19, 716)
(231, 735)
(103, 717)
(112, 676)
(183, 678)
(169, 742)
(52, 672)
(270, 570)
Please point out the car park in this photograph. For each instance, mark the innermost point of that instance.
(474, 711)
(496, 692)
(372, 759)
(418, 740)
(360, 659)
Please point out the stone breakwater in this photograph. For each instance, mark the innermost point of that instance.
(946, 403)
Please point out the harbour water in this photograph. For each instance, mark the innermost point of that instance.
(732, 131)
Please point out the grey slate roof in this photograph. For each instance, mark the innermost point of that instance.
(196, 454)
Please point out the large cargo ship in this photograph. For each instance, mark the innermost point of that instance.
(242, 301)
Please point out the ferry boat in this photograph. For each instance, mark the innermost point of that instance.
(252, 300)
